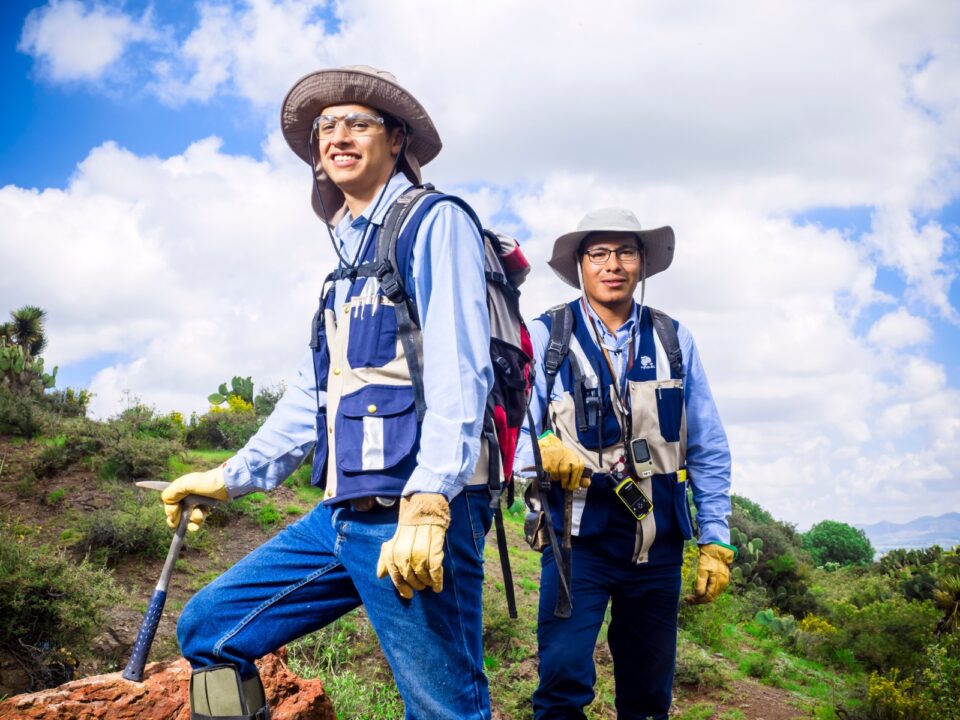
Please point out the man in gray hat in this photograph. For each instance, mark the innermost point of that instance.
(391, 399)
(620, 392)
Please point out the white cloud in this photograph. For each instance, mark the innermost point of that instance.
(723, 121)
(196, 267)
(920, 252)
(73, 41)
(254, 51)
(899, 329)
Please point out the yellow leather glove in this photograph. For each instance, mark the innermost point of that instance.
(713, 572)
(209, 484)
(413, 557)
(562, 463)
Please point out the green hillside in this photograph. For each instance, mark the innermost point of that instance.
(810, 626)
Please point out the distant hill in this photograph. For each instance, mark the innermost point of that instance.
(943, 530)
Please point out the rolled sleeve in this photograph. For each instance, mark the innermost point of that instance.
(283, 441)
(450, 291)
(708, 453)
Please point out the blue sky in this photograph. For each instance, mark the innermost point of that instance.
(806, 154)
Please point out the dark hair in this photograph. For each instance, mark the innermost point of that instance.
(390, 123)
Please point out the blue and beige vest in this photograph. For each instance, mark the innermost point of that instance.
(368, 433)
(585, 414)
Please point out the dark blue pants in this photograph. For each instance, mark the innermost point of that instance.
(642, 635)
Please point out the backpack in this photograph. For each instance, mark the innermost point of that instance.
(511, 351)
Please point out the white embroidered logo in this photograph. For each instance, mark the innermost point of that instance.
(646, 363)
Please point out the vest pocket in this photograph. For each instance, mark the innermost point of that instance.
(373, 336)
(670, 412)
(594, 405)
(376, 427)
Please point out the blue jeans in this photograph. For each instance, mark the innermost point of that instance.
(642, 635)
(323, 566)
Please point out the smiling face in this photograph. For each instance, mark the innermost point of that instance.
(359, 166)
(610, 285)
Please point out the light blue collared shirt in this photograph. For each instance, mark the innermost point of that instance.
(447, 282)
(708, 454)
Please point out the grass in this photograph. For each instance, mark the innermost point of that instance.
(347, 656)
(717, 647)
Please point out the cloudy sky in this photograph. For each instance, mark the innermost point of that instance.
(806, 153)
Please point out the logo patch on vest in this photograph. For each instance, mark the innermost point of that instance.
(646, 363)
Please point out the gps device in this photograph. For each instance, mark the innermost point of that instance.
(632, 496)
(640, 456)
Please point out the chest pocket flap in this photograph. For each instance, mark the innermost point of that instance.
(376, 428)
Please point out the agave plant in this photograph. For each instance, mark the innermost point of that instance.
(26, 330)
(947, 597)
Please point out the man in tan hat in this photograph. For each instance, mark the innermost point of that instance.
(391, 399)
(620, 392)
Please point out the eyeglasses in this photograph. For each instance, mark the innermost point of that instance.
(358, 124)
(627, 255)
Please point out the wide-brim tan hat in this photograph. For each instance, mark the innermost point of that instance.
(657, 244)
(361, 85)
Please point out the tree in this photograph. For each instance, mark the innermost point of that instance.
(22, 339)
(26, 330)
(832, 541)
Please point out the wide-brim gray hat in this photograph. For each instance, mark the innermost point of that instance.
(657, 244)
(361, 85)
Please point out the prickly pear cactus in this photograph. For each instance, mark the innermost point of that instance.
(239, 387)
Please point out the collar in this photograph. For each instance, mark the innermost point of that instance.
(395, 187)
(350, 231)
(615, 341)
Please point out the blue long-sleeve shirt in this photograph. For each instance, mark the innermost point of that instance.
(708, 454)
(447, 282)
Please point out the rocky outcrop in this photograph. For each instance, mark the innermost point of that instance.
(163, 696)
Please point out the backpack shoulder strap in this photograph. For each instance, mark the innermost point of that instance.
(667, 332)
(561, 328)
(394, 255)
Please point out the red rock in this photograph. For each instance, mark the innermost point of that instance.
(163, 696)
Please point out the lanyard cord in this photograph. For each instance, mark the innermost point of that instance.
(620, 380)
(621, 393)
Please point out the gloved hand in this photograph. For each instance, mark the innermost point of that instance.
(562, 463)
(413, 557)
(713, 572)
(209, 484)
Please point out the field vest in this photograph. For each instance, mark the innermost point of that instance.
(586, 415)
(368, 434)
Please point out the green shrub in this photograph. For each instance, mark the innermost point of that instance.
(267, 399)
(228, 429)
(750, 510)
(137, 527)
(142, 421)
(256, 506)
(21, 414)
(886, 634)
(783, 567)
(832, 541)
(695, 667)
(55, 497)
(131, 458)
(67, 403)
(50, 607)
(78, 438)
